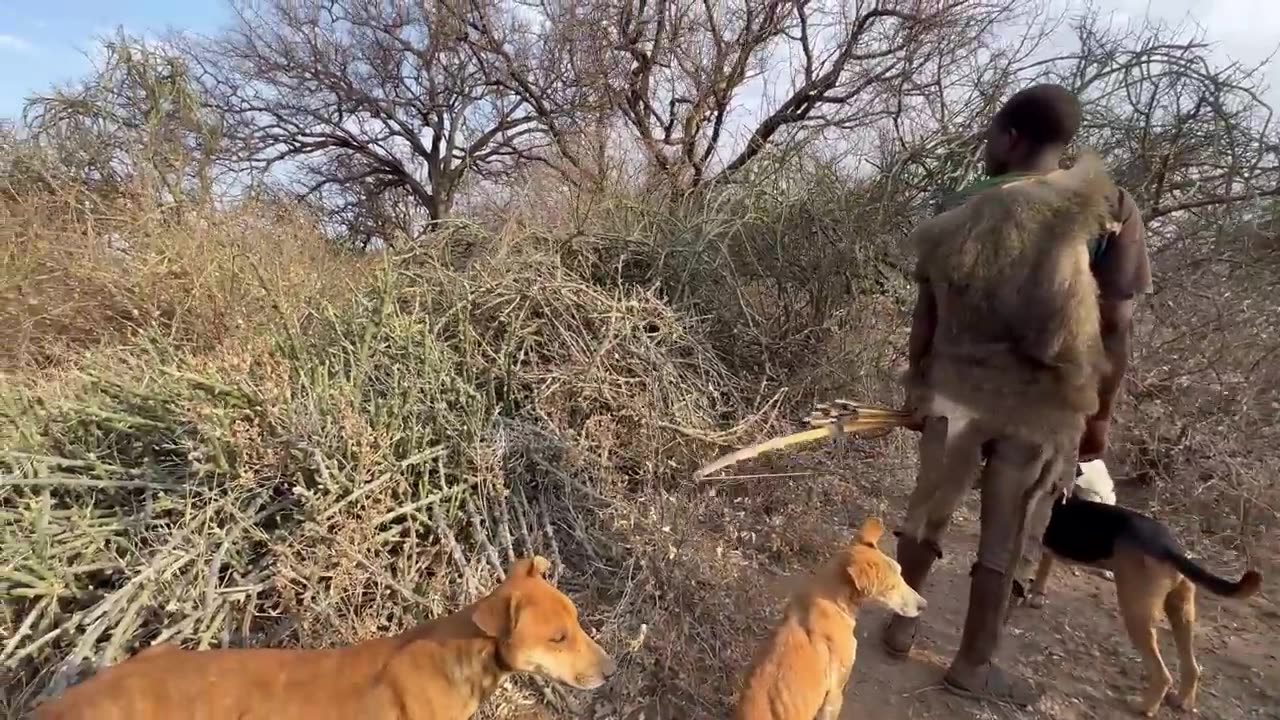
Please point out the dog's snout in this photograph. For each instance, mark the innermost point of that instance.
(907, 602)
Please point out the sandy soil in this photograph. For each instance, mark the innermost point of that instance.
(754, 537)
(1076, 646)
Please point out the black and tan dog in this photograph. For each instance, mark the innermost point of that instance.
(1152, 572)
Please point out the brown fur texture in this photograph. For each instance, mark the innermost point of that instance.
(800, 672)
(1018, 339)
(442, 670)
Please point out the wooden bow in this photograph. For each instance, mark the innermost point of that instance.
(826, 420)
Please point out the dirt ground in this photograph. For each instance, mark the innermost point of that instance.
(759, 535)
(1076, 646)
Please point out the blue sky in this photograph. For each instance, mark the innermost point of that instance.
(44, 42)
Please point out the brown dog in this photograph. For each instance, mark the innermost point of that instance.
(1153, 576)
(801, 671)
(442, 670)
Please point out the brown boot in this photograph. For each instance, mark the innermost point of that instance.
(973, 673)
(916, 558)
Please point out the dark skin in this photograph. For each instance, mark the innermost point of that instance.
(924, 321)
(1117, 325)
(1006, 152)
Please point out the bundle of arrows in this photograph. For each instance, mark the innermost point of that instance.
(832, 420)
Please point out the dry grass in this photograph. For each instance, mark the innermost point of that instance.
(1202, 425)
(227, 434)
(75, 275)
(334, 457)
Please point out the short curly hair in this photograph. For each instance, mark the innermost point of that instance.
(1046, 114)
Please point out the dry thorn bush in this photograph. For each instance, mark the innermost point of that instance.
(341, 458)
(75, 275)
(217, 428)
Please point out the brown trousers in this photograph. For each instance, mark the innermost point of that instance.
(1017, 477)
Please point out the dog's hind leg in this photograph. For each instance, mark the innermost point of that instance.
(1180, 607)
(1036, 597)
(1139, 606)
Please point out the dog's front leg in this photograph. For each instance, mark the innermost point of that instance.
(837, 679)
(831, 705)
(1036, 597)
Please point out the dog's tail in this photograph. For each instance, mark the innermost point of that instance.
(1248, 585)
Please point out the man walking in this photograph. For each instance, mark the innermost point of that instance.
(1017, 475)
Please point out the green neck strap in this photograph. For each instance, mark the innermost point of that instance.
(996, 181)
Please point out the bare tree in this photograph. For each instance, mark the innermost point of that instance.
(366, 95)
(675, 71)
(548, 54)
(368, 210)
(1181, 131)
(932, 140)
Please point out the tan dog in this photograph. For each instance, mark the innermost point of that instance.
(1153, 576)
(801, 671)
(442, 670)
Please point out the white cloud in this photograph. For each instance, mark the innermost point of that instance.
(13, 43)
(1241, 30)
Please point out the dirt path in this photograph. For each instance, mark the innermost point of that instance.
(1076, 646)
(735, 548)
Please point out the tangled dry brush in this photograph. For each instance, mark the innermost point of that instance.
(228, 438)
(218, 428)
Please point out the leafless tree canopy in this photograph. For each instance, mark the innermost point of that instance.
(368, 96)
(1180, 131)
(674, 72)
(384, 111)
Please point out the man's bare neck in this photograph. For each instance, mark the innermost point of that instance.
(1045, 162)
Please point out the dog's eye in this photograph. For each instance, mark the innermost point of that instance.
(559, 638)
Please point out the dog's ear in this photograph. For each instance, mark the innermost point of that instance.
(535, 566)
(497, 614)
(865, 576)
(870, 532)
